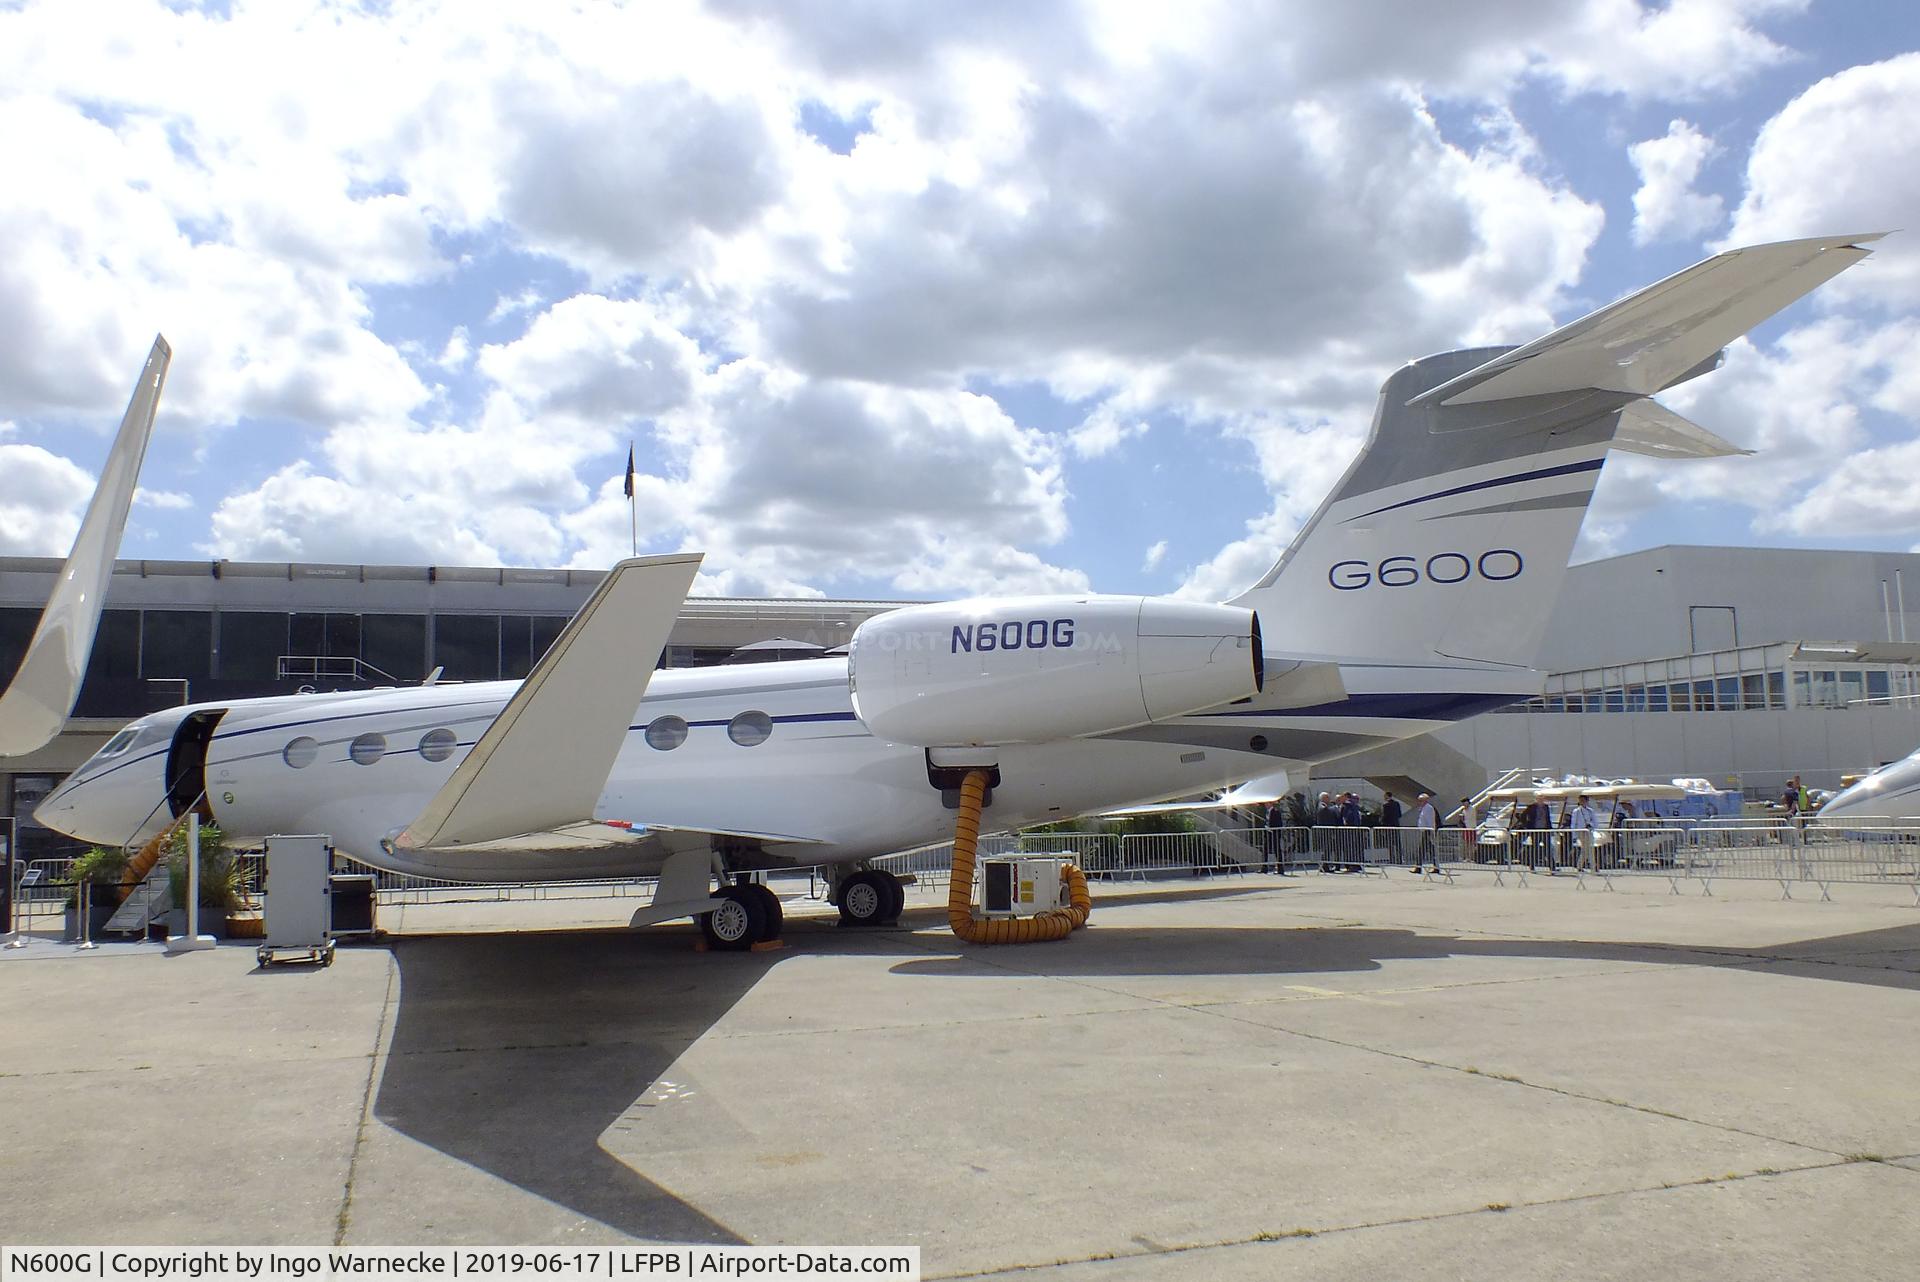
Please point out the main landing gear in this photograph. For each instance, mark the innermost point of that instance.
(748, 914)
(870, 897)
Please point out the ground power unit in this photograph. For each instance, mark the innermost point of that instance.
(1022, 886)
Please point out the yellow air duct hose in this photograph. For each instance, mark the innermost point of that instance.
(141, 864)
(1055, 923)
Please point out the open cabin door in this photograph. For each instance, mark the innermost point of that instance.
(187, 763)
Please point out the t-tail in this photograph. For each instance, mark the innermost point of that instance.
(1447, 540)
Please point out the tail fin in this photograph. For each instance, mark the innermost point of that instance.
(1448, 537)
(35, 705)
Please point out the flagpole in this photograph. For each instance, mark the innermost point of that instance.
(633, 507)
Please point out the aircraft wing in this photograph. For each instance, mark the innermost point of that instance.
(1263, 791)
(544, 761)
(36, 703)
(1666, 332)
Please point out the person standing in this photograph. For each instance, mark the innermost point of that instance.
(1272, 853)
(1326, 824)
(1427, 820)
(1582, 822)
(1352, 832)
(1390, 821)
(1469, 832)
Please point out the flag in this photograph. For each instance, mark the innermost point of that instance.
(629, 471)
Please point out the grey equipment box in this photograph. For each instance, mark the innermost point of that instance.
(299, 901)
(350, 905)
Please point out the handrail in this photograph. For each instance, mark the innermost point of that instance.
(296, 667)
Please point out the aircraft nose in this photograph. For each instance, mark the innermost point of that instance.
(1889, 793)
(97, 811)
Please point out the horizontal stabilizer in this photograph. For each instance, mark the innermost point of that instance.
(544, 761)
(35, 706)
(1649, 428)
(1650, 340)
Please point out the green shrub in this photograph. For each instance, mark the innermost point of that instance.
(103, 866)
(220, 879)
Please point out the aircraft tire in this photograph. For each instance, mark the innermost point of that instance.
(737, 923)
(896, 895)
(770, 905)
(865, 899)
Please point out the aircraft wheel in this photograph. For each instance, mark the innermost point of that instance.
(737, 922)
(896, 895)
(865, 899)
(770, 905)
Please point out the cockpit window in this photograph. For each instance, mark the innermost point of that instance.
(118, 744)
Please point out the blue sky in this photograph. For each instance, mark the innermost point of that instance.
(902, 301)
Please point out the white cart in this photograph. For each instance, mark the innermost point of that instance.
(299, 901)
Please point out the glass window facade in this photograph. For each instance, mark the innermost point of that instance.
(16, 630)
(1751, 678)
(176, 643)
(468, 646)
(251, 643)
(396, 644)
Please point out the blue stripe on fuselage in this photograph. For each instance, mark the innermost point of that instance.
(1539, 474)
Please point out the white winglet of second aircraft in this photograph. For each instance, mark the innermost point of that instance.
(36, 703)
(543, 761)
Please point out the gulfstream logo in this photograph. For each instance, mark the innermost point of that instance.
(1014, 634)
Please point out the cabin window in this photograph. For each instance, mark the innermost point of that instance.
(438, 745)
(301, 752)
(367, 749)
(750, 729)
(666, 733)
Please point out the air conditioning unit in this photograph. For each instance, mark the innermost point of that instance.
(1021, 887)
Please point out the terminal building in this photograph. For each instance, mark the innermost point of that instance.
(1743, 666)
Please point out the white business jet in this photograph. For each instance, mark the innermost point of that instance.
(1417, 595)
(1889, 797)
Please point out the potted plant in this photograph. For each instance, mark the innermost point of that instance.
(220, 881)
(102, 868)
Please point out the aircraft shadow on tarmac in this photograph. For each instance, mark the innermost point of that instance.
(515, 1052)
(1889, 957)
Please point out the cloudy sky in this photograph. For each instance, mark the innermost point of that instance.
(912, 300)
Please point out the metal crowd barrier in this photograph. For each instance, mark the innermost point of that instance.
(1785, 852)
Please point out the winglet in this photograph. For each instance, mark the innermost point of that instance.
(544, 761)
(35, 706)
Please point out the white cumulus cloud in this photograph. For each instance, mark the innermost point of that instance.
(1666, 206)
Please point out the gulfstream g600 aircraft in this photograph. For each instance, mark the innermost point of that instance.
(1416, 595)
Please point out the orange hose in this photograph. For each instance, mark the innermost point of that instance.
(1055, 923)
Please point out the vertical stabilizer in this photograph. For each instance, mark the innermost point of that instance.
(36, 703)
(1447, 539)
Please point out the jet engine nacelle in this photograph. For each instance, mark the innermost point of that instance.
(1003, 670)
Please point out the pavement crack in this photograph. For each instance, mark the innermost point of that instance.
(1270, 1237)
(343, 1219)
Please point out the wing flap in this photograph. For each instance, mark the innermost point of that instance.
(544, 761)
(35, 705)
(1652, 339)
